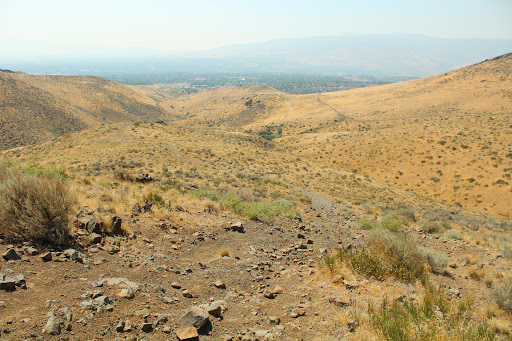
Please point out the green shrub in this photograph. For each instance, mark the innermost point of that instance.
(202, 193)
(34, 207)
(390, 223)
(437, 261)
(503, 295)
(368, 224)
(435, 226)
(435, 318)
(265, 211)
(454, 235)
(385, 255)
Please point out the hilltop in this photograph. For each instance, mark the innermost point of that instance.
(37, 108)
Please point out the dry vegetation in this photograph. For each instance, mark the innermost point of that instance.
(411, 181)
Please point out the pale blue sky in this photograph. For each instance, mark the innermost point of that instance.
(38, 27)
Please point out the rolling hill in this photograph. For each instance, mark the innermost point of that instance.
(36, 108)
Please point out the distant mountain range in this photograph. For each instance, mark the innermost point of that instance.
(394, 55)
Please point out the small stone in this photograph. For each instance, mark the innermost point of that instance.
(187, 294)
(142, 312)
(68, 314)
(126, 293)
(95, 238)
(87, 305)
(176, 285)
(273, 320)
(188, 333)
(46, 257)
(20, 282)
(31, 251)
(11, 254)
(352, 325)
(120, 326)
(237, 227)
(214, 309)
(116, 225)
(71, 254)
(53, 326)
(167, 329)
(127, 326)
(103, 300)
(147, 327)
(195, 317)
(219, 284)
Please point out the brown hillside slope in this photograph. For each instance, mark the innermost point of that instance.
(447, 137)
(35, 108)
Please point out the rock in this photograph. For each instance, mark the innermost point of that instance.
(227, 337)
(176, 285)
(46, 257)
(273, 320)
(214, 309)
(147, 327)
(351, 284)
(195, 317)
(95, 238)
(71, 254)
(7, 284)
(11, 254)
(116, 225)
(142, 312)
(167, 329)
(188, 333)
(90, 223)
(277, 290)
(187, 294)
(352, 325)
(68, 314)
(268, 294)
(127, 326)
(126, 293)
(161, 318)
(143, 178)
(88, 305)
(102, 300)
(120, 326)
(20, 282)
(219, 284)
(31, 251)
(340, 301)
(237, 227)
(53, 326)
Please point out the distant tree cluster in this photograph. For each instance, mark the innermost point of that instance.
(286, 82)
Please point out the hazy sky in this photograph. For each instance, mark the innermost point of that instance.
(37, 27)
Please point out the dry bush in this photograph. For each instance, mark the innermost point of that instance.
(34, 207)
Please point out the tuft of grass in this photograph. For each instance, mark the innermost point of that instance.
(202, 193)
(224, 252)
(34, 206)
(386, 254)
(436, 260)
(437, 317)
(502, 294)
(435, 226)
(265, 211)
(454, 235)
(390, 223)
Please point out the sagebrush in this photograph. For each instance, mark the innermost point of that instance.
(34, 207)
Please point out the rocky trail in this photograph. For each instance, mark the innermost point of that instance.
(214, 272)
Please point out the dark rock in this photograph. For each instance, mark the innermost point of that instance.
(143, 178)
(147, 327)
(46, 257)
(116, 225)
(90, 223)
(11, 254)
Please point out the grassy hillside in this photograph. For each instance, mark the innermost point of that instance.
(36, 108)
